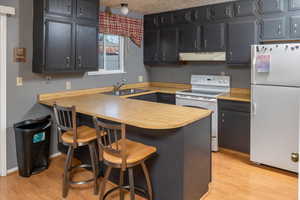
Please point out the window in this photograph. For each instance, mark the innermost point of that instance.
(111, 54)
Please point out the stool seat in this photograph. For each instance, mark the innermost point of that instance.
(135, 153)
(85, 134)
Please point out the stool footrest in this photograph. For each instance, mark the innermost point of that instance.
(81, 166)
(127, 187)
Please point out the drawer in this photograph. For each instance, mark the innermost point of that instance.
(234, 106)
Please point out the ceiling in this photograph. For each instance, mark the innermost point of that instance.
(157, 6)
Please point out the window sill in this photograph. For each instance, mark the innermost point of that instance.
(105, 73)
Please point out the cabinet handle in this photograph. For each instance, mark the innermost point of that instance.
(80, 11)
(279, 29)
(277, 4)
(195, 44)
(79, 61)
(295, 157)
(68, 61)
(239, 9)
(205, 44)
(254, 108)
(295, 28)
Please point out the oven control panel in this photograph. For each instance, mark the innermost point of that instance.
(210, 80)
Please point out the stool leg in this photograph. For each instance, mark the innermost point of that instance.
(103, 185)
(131, 183)
(68, 163)
(121, 183)
(94, 166)
(149, 186)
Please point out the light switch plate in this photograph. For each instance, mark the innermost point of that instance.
(19, 81)
(141, 79)
(68, 85)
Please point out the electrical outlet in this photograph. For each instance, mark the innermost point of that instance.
(68, 85)
(141, 79)
(223, 73)
(19, 81)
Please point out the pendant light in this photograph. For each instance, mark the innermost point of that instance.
(124, 8)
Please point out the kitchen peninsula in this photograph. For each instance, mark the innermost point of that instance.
(181, 169)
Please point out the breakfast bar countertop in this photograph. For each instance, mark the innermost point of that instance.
(132, 112)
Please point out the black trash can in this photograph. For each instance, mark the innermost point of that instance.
(32, 145)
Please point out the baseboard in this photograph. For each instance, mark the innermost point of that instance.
(15, 169)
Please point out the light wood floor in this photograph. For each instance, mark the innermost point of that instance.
(234, 178)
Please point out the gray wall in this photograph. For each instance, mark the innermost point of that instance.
(240, 75)
(21, 101)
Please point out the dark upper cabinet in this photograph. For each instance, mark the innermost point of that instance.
(168, 45)
(199, 14)
(214, 37)
(87, 9)
(273, 28)
(271, 6)
(63, 43)
(221, 11)
(86, 48)
(241, 35)
(189, 38)
(245, 8)
(183, 16)
(165, 19)
(58, 46)
(294, 4)
(151, 41)
(295, 27)
(150, 21)
(59, 7)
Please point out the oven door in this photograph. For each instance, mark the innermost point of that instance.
(204, 103)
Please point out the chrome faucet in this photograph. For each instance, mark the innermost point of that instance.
(118, 85)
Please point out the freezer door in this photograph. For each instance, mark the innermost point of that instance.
(284, 65)
(274, 126)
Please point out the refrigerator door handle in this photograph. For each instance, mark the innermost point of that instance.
(253, 109)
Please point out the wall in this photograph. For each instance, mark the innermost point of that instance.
(21, 101)
(240, 75)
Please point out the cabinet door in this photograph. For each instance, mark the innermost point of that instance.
(234, 130)
(150, 21)
(58, 46)
(189, 38)
(294, 4)
(151, 39)
(245, 8)
(295, 27)
(273, 28)
(199, 14)
(169, 44)
(183, 16)
(241, 35)
(86, 48)
(221, 11)
(59, 7)
(87, 9)
(165, 19)
(213, 36)
(271, 6)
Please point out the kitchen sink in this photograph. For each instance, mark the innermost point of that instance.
(125, 92)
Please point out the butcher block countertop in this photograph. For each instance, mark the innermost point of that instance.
(132, 112)
(142, 114)
(237, 94)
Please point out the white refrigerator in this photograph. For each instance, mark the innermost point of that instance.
(275, 87)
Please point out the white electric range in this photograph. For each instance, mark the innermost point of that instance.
(204, 93)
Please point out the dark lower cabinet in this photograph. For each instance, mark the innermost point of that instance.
(65, 36)
(234, 125)
(241, 35)
(157, 97)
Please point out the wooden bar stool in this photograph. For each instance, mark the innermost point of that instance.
(118, 152)
(74, 137)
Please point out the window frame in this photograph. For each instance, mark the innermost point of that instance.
(121, 57)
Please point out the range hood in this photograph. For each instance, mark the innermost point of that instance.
(203, 56)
